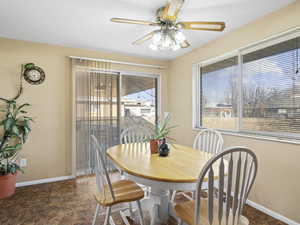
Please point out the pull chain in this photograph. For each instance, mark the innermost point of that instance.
(297, 56)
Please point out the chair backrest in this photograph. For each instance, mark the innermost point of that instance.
(104, 185)
(235, 169)
(209, 140)
(135, 134)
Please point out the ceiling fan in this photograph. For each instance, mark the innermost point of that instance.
(169, 35)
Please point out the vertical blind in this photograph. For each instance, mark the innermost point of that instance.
(263, 98)
(97, 95)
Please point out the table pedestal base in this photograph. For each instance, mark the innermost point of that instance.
(158, 202)
(159, 208)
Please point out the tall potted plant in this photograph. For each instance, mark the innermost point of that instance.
(161, 131)
(14, 130)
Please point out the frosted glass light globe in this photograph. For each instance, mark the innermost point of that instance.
(157, 38)
(153, 47)
(167, 41)
(179, 37)
(175, 47)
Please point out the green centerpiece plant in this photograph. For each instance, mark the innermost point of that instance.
(14, 131)
(161, 131)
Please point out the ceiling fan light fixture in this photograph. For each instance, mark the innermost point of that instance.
(167, 39)
(179, 36)
(176, 47)
(156, 39)
(170, 35)
(153, 47)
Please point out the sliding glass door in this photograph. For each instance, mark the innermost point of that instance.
(106, 104)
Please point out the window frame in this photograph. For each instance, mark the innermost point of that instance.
(196, 83)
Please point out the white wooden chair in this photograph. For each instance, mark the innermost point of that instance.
(135, 134)
(207, 140)
(240, 166)
(112, 193)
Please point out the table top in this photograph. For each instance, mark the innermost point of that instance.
(183, 165)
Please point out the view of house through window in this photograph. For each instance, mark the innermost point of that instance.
(138, 101)
(268, 100)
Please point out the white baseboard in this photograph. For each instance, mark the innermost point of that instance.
(272, 213)
(42, 181)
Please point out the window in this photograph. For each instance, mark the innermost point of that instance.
(251, 91)
(139, 100)
(218, 95)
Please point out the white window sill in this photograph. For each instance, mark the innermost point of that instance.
(258, 137)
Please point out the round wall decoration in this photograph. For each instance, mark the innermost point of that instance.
(33, 74)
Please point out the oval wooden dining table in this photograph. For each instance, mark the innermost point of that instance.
(178, 171)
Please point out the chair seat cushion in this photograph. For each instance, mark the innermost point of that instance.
(124, 191)
(186, 212)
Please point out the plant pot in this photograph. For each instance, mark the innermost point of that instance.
(154, 146)
(7, 185)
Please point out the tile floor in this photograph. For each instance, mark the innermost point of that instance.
(72, 203)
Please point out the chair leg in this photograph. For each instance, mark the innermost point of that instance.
(96, 214)
(171, 194)
(111, 221)
(140, 212)
(121, 174)
(173, 197)
(193, 194)
(180, 222)
(107, 218)
(131, 210)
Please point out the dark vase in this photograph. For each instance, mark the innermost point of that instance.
(163, 148)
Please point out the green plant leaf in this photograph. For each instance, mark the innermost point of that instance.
(11, 148)
(26, 130)
(27, 125)
(24, 138)
(26, 118)
(8, 123)
(15, 130)
(10, 168)
(24, 105)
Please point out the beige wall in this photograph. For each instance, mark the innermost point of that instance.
(48, 149)
(278, 185)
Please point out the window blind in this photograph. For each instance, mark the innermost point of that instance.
(271, 89)
(219, 95)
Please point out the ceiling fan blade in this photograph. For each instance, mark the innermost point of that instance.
(143, 39)
(212, 26)
(172, 9)
(140, 22)
(185, 44)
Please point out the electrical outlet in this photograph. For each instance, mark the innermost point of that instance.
(23, 162)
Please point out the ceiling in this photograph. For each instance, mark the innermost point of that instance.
(86, 24)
